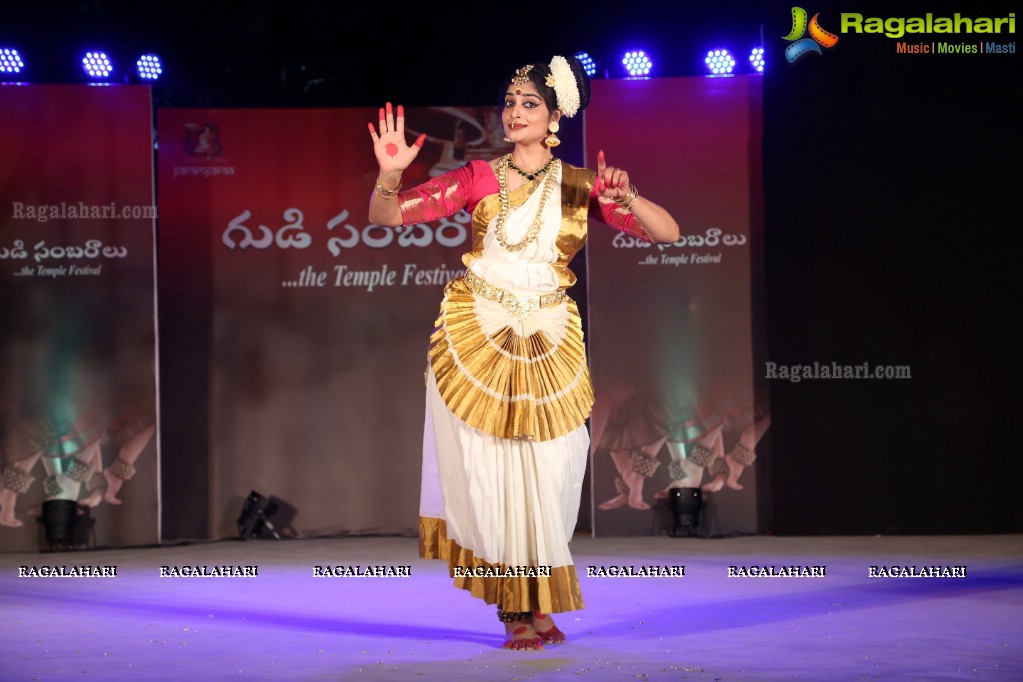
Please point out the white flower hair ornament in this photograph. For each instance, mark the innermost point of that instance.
(565, 86)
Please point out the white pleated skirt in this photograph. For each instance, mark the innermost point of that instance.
(502, 507)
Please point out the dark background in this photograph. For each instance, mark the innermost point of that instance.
(891, 193)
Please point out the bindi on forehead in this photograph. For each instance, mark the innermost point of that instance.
(519, 93)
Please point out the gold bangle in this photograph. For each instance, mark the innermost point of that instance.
(629, 199)
(385, 193)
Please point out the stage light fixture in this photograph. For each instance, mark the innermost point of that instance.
(637, 64)
(255, 517)
(97, 65)
(58, 519)
(10, 61)
(686, 504)
(149, 67)
(719, 62)
(756, 59)
(589, 66)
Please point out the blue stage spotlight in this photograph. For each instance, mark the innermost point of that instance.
(10, 60)
(589, 66)
(756, 59)
(637, 64)
(149, 67)
(719, 62)
(97, 65)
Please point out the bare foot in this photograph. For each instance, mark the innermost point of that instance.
(716, 484)
(615, 502)
(113, 485)
(734, 471)
(521, 636)
(544, 626)
(93, 500)
(635, 483)
(7, 500)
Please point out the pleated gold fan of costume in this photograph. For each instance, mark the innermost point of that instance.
(507, 385)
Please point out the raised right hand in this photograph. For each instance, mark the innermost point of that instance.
(392, 153)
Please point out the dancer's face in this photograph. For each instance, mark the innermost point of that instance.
(526, 115)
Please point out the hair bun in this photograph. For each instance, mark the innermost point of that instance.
(582, 81)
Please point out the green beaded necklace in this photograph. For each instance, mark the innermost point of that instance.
(535, 174)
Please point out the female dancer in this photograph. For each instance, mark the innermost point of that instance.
(508, 389)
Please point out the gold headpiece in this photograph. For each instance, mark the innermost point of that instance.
(521, 76)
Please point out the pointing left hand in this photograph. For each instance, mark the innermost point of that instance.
(612, 183)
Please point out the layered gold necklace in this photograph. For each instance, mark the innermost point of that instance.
(551, 168)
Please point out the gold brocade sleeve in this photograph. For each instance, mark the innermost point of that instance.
(576, 187)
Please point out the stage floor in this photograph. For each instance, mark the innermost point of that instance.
(286, 624)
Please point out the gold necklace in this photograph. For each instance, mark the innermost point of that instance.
(502, 217)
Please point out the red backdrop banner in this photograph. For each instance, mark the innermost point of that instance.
(77, 323)
(319, 321)
(671, 326)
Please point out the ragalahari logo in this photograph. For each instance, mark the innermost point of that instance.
(801, 45)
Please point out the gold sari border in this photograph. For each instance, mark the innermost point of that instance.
(557, 592)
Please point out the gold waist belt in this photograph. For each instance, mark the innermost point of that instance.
(519, 306)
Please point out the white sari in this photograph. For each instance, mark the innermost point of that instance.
(508, 393)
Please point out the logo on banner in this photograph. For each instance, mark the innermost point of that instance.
(202, 140)
(803, 45)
